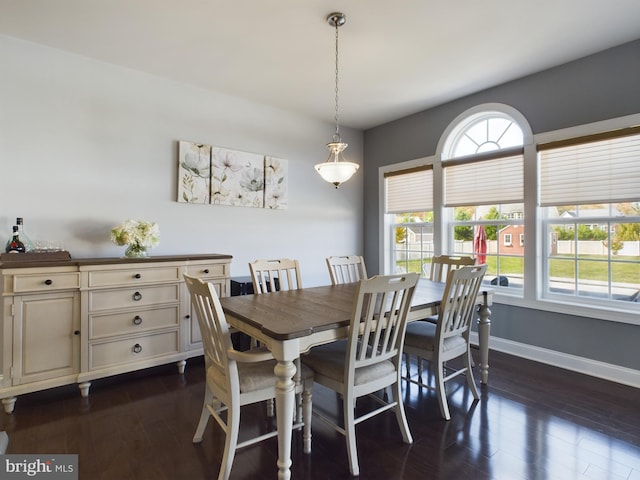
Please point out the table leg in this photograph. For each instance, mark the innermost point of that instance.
(285, 403)
(484, 326)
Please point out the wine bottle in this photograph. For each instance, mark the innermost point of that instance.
(24, 238)
(15, 245)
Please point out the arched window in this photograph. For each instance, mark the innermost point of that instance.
(482, 132)
(482, 155)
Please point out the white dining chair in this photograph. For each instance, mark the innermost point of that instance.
(4, 442)
(370, 359)
(437, 271)
(441, 265)
(346, 269)
(448, 338)
(275, 275)
(236, 378)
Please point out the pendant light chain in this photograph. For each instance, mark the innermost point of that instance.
(336, 170)
(337, 115)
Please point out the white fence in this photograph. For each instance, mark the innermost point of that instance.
(418, 250)
(596, 247)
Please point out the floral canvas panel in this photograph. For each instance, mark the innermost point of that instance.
(194, 172)
(237, 178)
(275, 183)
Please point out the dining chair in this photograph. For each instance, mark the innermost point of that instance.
(346, 269)
(4, 442)
(370, 359)
(441, 265)
(437, 271)
(275, 275)
(448, 339)
(236, 378)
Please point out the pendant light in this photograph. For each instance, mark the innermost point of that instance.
(336, 170)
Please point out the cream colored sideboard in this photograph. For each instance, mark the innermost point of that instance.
(79, 320)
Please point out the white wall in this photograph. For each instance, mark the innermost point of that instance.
(85, 145)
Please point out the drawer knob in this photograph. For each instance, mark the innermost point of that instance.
(137, 275)
(48, 282)
(77, 332)
(137, 320)
(206, 270)
(137, 296)
(187, 316)
(137, 348)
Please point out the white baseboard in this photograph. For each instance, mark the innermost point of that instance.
(606, 371)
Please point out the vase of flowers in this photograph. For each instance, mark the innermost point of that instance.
(138, 235)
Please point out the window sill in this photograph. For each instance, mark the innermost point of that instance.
(592, 311)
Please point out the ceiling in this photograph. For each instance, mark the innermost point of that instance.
(396, 58)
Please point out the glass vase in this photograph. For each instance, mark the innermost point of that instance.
(136, 251)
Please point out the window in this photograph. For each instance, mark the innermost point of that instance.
(483, 168)
(409, 199)
(590, 205)
(556, 217)
(507, 240)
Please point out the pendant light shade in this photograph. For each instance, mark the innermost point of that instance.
(336, 170)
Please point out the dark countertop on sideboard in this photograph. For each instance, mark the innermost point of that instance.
(113, 260)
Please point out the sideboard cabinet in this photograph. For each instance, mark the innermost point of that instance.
(80, 320)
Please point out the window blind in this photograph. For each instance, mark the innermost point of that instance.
(600, 171)
(485, 180)
(409, 190)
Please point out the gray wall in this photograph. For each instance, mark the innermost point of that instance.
(599, 87)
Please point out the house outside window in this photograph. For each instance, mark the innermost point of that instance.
(506, 239)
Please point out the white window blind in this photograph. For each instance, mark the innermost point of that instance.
(587, 171)
(491, 179)
(409, 190)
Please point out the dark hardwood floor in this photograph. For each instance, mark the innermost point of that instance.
(533, 422)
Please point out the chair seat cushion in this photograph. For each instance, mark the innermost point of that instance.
(330, 361)
(422, 335)
(252, 376)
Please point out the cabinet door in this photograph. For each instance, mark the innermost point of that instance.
(46, 340)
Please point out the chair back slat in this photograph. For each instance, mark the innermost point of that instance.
(441, 265)
(275, 275)
(459, 301)
(346, 269)
(214, 329)
(378, 320)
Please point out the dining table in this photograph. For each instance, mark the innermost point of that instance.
(290, 323)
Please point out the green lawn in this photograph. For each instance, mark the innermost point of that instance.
(592, 268)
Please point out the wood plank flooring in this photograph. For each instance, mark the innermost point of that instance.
(533, 422)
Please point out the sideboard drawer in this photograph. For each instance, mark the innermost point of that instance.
(133, 276)
(43, 282)
(207, 269)
(131, 322)
(132, 349)
(100, 300)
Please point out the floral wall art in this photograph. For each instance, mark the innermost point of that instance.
(220, 176)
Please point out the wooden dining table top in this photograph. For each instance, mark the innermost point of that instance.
(293, 314)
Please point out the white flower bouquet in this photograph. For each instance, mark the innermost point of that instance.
(138, 235)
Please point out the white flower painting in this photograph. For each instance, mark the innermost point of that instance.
(194, 172)
(221, 176)
(275, 183)
(237, 178)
